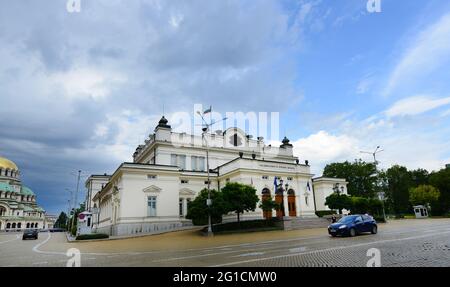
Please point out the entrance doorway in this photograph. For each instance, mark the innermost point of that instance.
(291, 203)
(266, 196)
(279, 200)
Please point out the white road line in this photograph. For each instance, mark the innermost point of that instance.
(17, 237)
(329, 249)
(36, 247)
(250, 254)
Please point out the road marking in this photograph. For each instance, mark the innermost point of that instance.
(250, 254)
(35, 248)
(329, 249)
(297, 250)
(17, 237)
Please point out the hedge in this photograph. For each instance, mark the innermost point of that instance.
(92, 236)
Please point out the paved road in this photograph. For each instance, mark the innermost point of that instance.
(407, 243)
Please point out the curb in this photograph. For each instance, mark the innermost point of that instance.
(72, 240)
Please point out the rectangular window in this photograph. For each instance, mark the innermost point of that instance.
(173, 159)
(194, 163)
(151, 176)
(289, 178)
(178, 160)
(201, 163)
(151, 206)
(184, 181)
(182, 161)
(265, 177)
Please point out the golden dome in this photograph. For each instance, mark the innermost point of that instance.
(7, 164)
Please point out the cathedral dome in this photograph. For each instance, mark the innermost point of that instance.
(7, 164)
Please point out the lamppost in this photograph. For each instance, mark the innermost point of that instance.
(381, 195)
(205, 130)
(282, 190)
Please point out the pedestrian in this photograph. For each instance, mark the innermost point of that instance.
(333, 219)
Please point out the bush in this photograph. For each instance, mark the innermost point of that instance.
(246, 226)
(322, 213)
(92, 236)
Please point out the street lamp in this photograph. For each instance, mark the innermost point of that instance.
(205, 129)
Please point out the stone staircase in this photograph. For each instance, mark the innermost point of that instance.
(297, 223)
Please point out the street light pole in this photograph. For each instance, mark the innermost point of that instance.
(204, 131)
(76, 199)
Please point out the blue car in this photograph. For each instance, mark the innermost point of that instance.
(353, 225)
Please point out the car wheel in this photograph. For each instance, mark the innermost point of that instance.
(333, 235)
(352, 232)
(374, 230)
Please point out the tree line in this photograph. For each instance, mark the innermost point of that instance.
(402, 188)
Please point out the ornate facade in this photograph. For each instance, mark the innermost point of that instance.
(151, 194)
(18, 207)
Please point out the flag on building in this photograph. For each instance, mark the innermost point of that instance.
(208, 110)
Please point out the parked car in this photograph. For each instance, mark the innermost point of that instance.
(30, 233)
(353, 225)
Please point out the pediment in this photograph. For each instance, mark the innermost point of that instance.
(152, 188)
(187, 191)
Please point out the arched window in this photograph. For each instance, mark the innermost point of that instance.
(36, 225)
(2, 211)
(266, 191)
(8, 225)
(14, 225)
(28, 225)
(32, 225)
(19, 225)
(291, 192)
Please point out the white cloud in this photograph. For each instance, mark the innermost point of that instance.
(428, 51)
(322, 148)
(416, 105)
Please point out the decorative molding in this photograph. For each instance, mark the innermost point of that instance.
(152, 189)
(187, 191)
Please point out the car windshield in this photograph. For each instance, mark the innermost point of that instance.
(347, 219)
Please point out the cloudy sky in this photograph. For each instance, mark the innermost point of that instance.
(81, 90)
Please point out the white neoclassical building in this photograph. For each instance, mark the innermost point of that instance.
(152, 192)
(18, 207)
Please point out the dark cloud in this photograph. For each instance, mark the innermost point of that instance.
(81, 90)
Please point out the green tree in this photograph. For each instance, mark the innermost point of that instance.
(268, 205)
(361, 176)
(441, 180)
(73, 222)
(338, 201)
(240, 198)
(419, 177)
(398, 184)
(61, 222)
(424, 195)
(198, 210)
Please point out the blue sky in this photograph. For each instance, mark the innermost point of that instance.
(81, 90)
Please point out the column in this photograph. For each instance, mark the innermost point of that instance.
(285, 203)
(184, 207)
(298, 206)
